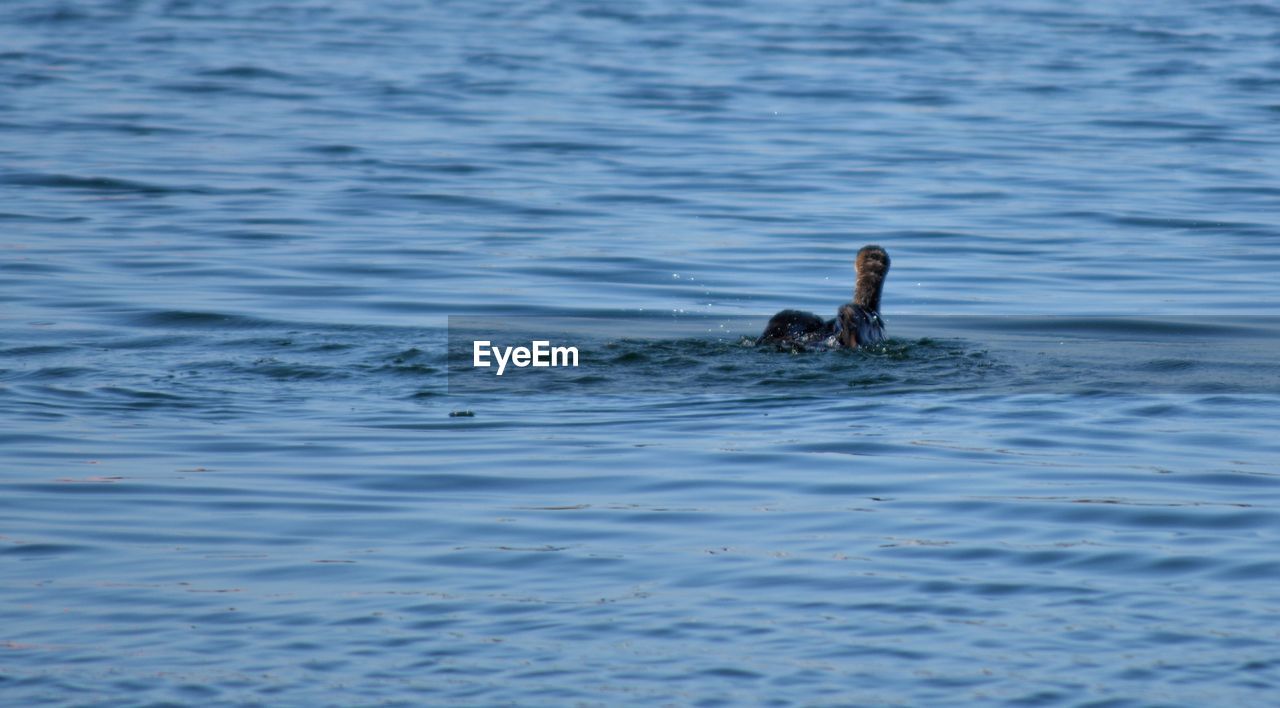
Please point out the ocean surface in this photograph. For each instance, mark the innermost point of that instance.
(239, 467)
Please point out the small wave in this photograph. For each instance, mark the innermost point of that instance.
(561, 147)
(245, 72)
(332, 149)
(1106, 328)
(197, 320)
(36, 550)
(93, 184)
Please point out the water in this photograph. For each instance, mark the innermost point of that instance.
(232, 234)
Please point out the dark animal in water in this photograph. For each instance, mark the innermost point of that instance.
(856, 323)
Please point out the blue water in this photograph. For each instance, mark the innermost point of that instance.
(232, 234)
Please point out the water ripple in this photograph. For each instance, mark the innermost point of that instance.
(238, 466)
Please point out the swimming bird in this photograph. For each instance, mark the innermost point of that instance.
(856, 323)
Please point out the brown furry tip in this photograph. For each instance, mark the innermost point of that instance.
(871, 267)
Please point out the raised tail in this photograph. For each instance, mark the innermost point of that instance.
(872, 265)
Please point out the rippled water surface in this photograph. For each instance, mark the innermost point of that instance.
(233, 234)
